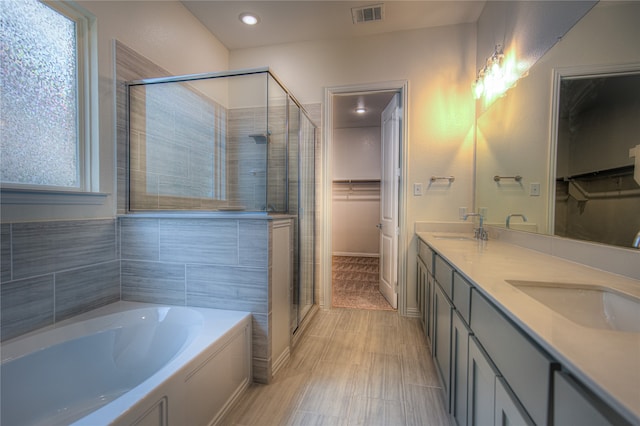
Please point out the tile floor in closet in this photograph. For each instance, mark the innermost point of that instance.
(356, 283)
(352, 367)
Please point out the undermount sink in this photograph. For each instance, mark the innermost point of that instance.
(587, 305)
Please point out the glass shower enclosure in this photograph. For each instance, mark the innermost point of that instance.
(234, 141)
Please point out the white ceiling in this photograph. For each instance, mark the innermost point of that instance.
(308, 20)
(344, 109)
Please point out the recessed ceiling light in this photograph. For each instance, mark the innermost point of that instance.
(361, 110)
(249, 18)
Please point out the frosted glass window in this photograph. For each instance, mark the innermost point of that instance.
(39, 106)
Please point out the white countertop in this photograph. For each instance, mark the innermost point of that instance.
(606, 361)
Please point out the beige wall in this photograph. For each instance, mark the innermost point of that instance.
(438, 64)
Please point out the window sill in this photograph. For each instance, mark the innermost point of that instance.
(48, 197)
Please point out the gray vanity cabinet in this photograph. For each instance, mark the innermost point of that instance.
(422, 296)
(481, 386)
(460, 333)
(492, 372)
(425, 282)
(526, 369)
(441, 341)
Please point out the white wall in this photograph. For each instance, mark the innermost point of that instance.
(438, 64)
(163, 31)
(356, 153)
(356, 207)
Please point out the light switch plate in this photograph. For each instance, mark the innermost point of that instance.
(534, 189)
(417, 189)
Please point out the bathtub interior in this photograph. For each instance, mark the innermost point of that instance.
(75, 377)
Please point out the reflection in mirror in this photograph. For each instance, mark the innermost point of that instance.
(598, 126)
(517, 134)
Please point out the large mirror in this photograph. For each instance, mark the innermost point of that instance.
(597, 127)
(517, 135)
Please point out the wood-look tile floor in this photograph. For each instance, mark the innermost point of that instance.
(352, 367)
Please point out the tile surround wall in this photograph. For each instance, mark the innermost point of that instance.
(52, 271)
(210, 263)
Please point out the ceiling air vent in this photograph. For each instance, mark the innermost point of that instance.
(371, 13)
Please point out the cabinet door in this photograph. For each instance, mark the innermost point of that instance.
(574, 405)
(428, 305)
(508, 410)
(459, 364)
(442, 338)
(524, 366)
(421, 278)
(481, 386)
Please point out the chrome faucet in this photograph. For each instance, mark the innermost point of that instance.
(524, 218)
(479, 233)
(636, 241)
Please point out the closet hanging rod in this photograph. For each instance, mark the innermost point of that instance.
(517, 178)
(449, 178)
(349, 181)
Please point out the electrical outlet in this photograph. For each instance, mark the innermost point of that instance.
(534, 189)
(417, 189)
(462, 213)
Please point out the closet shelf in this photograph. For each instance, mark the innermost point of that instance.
(355, 181)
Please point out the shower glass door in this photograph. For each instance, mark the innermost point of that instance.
(306, 216)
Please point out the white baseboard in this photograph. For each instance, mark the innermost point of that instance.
(281, 361)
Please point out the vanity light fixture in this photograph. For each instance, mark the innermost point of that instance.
(499, 74)
(249, 18)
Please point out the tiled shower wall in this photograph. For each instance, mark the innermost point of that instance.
(52, 271)
(211, 263)
(193, 137)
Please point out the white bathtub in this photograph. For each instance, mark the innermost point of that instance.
(128, 363)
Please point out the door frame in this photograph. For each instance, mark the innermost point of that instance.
(402, 87)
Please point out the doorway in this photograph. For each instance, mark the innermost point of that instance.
(353, 165)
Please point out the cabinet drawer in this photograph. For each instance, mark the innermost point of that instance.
(426, 254)
(444, 275)
(526, 369)
(462, 296)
